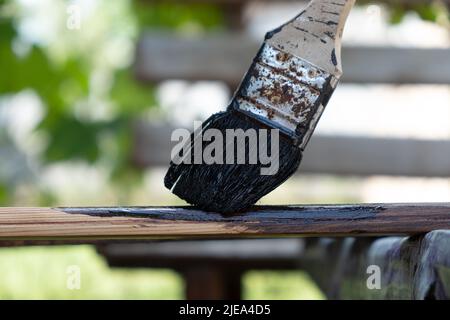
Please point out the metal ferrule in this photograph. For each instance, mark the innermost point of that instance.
(285, 92)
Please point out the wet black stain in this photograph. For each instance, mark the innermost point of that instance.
(333, 58)
(255, 214)
(270, 34)
(330, 12)
(329, 34)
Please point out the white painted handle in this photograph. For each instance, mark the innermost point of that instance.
(315, 34)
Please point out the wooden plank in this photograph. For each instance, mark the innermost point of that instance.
(236, 254)
(211, 268)
(346, 155)
(343, 155)
(187, 222)
(226, 57)
(409, 267)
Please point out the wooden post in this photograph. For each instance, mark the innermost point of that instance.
(212, 282)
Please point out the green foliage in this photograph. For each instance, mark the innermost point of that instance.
(426, 11)
(61, 74)
(280, 285)
(176, 15)
(4, 195)
(60, 86)
(71, 138)
(131, 97)
(397, 13)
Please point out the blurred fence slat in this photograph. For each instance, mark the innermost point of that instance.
(408, 267)
(258, 253)
(344, 155)
(226, 57)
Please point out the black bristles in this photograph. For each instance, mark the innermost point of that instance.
(229, 188)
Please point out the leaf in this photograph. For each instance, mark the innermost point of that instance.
(397, 13)
(175, 15)
(4, 195)
(427, 12)
(130, 96)
(70, 138)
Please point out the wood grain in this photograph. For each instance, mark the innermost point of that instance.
(187, 222)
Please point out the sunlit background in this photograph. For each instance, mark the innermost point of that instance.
(70, 98)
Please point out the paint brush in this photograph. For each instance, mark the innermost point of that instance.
(283, 94)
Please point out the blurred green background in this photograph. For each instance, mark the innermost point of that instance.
(42, 273)
(87, 98)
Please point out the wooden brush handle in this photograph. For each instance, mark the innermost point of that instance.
(315, 34)
(296, 71)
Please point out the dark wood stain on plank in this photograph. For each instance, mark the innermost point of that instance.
(341, 219)
(258, 213)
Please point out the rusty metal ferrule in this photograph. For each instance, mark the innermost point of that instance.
(284, 92)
